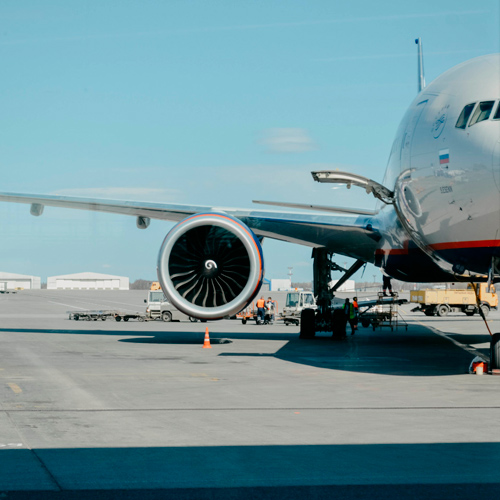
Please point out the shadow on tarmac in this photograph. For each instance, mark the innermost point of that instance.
(380, 471)
(417, 352)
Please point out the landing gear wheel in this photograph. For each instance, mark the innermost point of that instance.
(495, 351)
(307, 324)
(443, 310)
(166, 316)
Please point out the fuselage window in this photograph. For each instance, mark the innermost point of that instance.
(497, 114)
(464, 115)
(482, 112)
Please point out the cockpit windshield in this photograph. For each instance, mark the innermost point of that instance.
(482, 112)
(464, 115)
(497, 113)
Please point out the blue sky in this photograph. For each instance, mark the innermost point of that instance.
(204, 102)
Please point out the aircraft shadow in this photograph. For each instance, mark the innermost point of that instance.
(376, 471)
(417, 352)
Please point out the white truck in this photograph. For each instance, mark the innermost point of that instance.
(158, 306)
(295, 303)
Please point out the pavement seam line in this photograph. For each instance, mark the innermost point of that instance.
(25, 442)
(469, 349)
(295, 408)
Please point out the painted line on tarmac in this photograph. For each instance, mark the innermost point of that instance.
(67, 305)
(471, 350)
(15, 388)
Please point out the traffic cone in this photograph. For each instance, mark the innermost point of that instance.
(206, 344)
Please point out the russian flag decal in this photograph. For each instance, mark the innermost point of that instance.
(444, 156)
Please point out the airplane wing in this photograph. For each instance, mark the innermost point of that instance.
(347, 234)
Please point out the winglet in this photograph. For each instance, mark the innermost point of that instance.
(421, 77)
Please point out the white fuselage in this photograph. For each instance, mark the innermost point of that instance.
(445, 172)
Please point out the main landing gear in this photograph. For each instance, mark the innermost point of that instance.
(325, 318)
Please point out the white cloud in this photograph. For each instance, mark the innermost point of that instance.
(287, 140)
(123, 193)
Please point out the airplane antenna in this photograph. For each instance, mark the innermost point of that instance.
(421, 77)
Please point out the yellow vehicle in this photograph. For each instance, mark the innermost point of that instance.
(441, 302)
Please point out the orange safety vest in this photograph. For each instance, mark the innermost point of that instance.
(260, 304)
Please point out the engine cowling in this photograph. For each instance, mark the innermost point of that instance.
(210, 266)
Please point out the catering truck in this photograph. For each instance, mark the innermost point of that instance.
(442, 302)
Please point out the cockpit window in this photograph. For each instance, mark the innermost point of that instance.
(482, 112)
(464, 115)
(497, 114)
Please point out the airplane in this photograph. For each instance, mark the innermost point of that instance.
(437, 217)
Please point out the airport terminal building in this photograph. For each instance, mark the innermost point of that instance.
(11, 281)
(87, 281)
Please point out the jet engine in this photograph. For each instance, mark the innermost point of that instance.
(210, 266)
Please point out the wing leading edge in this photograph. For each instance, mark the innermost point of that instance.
(350, 235)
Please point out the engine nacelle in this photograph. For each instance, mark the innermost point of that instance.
(210, 266)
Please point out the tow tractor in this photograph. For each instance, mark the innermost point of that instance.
(296, 302)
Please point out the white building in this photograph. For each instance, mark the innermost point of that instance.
(87, 281)
(348, 286)
(13, 281)
(280, 284)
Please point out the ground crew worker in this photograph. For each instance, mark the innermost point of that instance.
(356, 311)
(350, 315)
(261, 311)
(387, 285)
(270, 310)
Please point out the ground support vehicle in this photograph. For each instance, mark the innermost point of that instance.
(250, 313)
(296, 302)
(385, 312)
(94, 315)
(4, 289)
(158, 307)
(442, 302)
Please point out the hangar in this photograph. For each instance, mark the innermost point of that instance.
(87, 281)
(13, 281)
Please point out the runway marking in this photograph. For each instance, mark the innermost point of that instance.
(465, 347)
(15, 388)
(11, 445)
(67, 305)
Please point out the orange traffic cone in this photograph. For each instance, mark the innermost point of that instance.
(206, 344)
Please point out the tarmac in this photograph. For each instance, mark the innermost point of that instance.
(133, 410)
